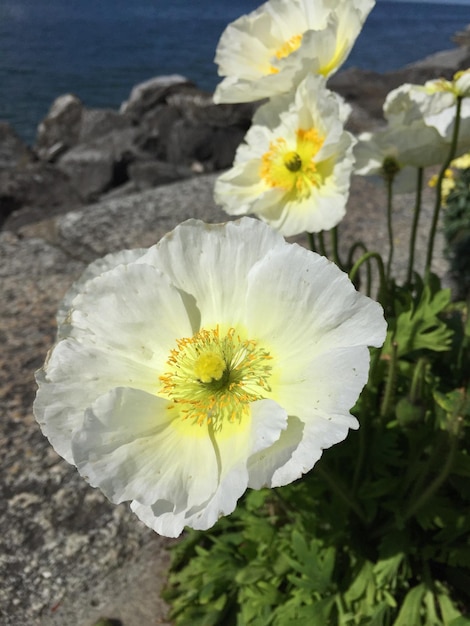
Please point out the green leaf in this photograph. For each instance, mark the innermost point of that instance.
(417, 325)
(448, 610)
(410, 610)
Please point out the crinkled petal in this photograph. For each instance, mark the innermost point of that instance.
(210, 263)
(234, 452)
(120, 332)
(316, 306)
(132, 447)
(108, 262)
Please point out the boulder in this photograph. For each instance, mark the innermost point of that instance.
(191, 129)
(148, 174)
(39, 189)
(96, 123)
(97, 166)
(60, 129)
(13, 151)
(147, 95)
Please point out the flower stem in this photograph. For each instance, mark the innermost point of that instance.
(389, 394)
(359, 245)
(322, 246)
(440, 178)
(311, 242)
(340, 491)
(414, 227)
(380, 265)
(334, 246)
(389, 186)
(418, 502)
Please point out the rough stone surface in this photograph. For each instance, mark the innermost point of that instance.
(13, 151)
(38, 189)
(145, 96)
(60, 129)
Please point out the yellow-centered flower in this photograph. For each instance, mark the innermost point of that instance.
(294, 168)
(222, 358)
(271, 50)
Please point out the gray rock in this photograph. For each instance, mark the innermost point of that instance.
(13, 151)
(96, 123)
(39, 187)
(60, 129)
(147, 95)
(148, 174)
(99, 165)
(136, 220)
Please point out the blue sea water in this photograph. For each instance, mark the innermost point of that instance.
(98, 49)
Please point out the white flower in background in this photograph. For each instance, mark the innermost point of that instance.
(432, 105)
(397, 151)
(222, 358)
(462, 83)
(294, 169)
(270, 50)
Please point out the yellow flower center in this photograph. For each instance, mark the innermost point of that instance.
(285, 50)
(294, 171)
(213, 377)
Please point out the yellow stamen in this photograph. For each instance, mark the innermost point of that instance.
(285, 50)
(213, 378)
(295, 170)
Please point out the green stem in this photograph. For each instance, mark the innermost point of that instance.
(340, 491)
(389, 394)
(416, 389)
(440, 178)
(359, 245)
(380, 265)
(417, 503)
(311, 242)
(414, 227)
(389, 186)
(360, 458)
(334, 246)
(321, 240)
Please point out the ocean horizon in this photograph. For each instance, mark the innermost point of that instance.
(99, 49)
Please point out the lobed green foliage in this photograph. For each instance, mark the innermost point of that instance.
(378, 533)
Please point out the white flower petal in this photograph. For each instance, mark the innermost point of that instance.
(121, 330)
(108, 262)
(268, 420)
(211, 263)
(316, 305)
(132, 447)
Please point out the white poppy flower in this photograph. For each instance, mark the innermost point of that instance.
(398, 151)
(432, 105)
(219, 359)
(462, 83)
(270, 50)
(294, 169)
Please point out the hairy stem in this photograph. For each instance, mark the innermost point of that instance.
(414, 227)
(440, 178)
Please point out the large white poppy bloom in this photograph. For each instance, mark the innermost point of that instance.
(270, 50)
(294, 169)
(219, 359)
